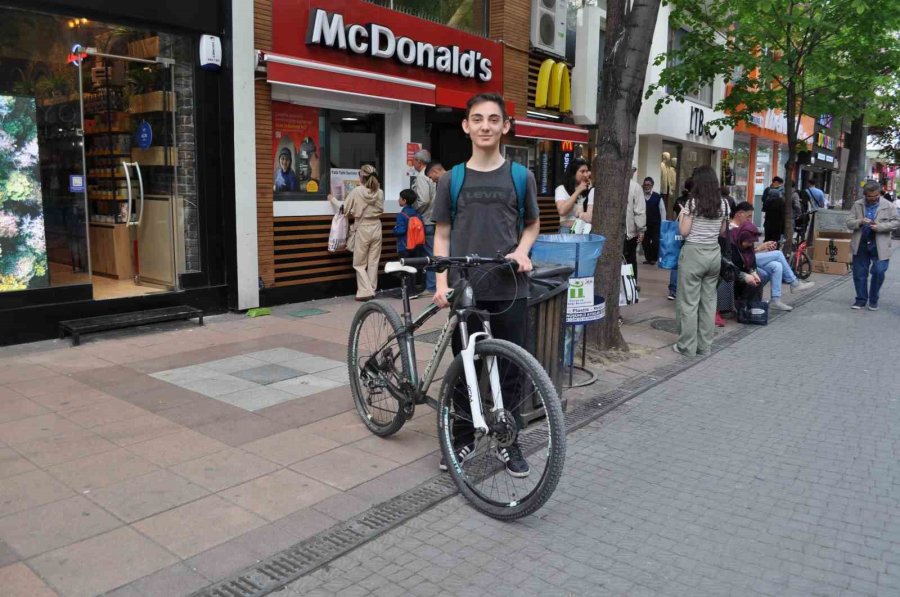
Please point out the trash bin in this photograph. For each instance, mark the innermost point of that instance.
(578, 251)
(545, 329)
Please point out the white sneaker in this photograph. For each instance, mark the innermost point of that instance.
(800, 286)
(779, 306)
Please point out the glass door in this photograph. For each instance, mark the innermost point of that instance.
(130, 160)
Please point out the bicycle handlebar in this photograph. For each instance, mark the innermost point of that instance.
(467, 261)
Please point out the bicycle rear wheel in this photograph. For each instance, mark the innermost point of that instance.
(473, 462)
(378, 366)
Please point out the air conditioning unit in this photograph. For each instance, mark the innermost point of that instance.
(548, 26)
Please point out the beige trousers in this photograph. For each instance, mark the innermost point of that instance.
(366, 254)
(695, 303)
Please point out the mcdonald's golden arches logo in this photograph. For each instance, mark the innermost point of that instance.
(554, 88)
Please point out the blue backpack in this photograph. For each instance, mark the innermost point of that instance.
(520, 182)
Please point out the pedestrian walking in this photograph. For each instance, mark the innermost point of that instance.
(635, 223)
(702, 221)
(816, 193)
(773, 207)
(575, 197)
(872, 220)
(364, 206)
(425, 188)
(655, 209)
(407, 218)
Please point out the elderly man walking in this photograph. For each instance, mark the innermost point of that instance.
(425, 188)
(872, 219)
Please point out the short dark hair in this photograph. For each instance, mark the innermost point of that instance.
(650, 179)
(743, 206)
(481, 98)
(777, 179)
(409, 196)
(432, 166)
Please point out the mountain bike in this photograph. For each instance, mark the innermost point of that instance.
(482, 393)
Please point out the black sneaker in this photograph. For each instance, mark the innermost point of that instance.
(516, 465)
(462, 454)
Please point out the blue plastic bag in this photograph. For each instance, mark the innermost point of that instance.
(669, 244)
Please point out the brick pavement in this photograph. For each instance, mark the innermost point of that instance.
(769, 468)
(126, 465)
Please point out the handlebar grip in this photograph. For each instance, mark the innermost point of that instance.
(416, 261)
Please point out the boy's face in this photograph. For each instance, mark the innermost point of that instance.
(485, 125)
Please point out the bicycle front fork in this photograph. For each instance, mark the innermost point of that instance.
(475, 404)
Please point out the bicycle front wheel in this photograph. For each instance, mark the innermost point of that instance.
(478, 464)
(378, 365)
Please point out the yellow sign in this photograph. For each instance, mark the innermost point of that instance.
(554, 88)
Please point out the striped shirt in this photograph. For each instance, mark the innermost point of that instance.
(705, 231)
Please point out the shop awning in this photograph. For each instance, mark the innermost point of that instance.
(542, 129)
(300, 72)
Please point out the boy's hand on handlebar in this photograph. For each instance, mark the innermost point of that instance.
(522, 259)
(440, 297)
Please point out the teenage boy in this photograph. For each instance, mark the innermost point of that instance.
(487, 223)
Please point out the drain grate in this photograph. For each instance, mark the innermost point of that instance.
(665, 324)
(305, 557)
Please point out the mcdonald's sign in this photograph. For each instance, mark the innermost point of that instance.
(554, 88)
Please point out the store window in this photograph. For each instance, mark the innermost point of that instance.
(691, 158)
(739, 163)
(317, 151)
(701, 95)
(65, 217)
(764, 172)
(468, 15)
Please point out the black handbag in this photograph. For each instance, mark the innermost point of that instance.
(752, 312)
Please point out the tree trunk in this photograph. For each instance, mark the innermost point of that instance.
(857, 152)
(628, 37)
(793, 117)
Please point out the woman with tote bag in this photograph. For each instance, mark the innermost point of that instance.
(702, 221)
(364, 206)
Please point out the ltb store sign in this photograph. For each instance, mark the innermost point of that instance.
(328, 29)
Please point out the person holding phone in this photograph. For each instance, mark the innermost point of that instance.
(872, 220)
(575, 197)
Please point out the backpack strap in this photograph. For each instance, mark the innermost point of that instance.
(520, 182)
(457, 178)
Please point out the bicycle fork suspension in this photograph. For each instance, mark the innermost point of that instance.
(468, 359)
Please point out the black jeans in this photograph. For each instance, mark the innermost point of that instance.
(508, 322)
(651, 242)
(630, 253)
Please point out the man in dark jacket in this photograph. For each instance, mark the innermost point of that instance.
(773, 207)
(656, 213)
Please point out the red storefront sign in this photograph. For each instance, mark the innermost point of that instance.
(363, 49)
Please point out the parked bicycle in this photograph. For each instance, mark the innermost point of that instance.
(799, 259)
(483, 391)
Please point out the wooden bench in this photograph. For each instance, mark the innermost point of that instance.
(77, 327)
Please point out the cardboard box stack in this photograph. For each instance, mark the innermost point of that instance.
(831, 252)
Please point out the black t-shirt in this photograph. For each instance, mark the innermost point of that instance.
(487, 223)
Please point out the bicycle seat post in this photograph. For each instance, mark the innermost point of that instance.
(404, 298)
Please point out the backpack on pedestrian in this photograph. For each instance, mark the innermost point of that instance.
(415, 232)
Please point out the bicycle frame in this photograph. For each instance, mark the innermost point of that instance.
(456, 321)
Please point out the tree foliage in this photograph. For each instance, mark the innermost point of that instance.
(823, 57)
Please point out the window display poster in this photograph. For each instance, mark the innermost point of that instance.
(295, 148)
(23, 246)
(411, 149)
(342, 181)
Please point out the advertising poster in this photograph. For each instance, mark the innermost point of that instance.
(295, 150)
(342, 181)
(23, 246)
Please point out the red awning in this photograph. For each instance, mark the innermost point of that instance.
(300, 72)
(543, 129)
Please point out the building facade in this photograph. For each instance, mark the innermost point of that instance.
(112, 192)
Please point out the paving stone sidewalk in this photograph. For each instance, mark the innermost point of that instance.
(155, 461)
(769, 468)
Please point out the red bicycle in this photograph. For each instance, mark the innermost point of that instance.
(799, 259)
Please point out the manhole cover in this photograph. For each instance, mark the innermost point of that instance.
(665, 324)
